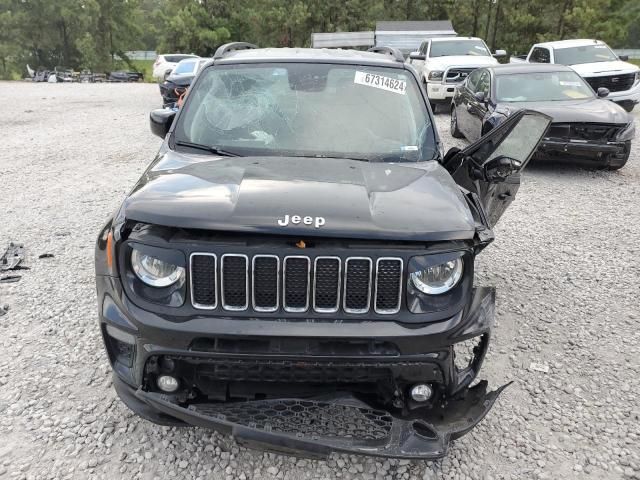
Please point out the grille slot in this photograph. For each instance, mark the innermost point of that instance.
(388, 285)
(326, 284)
(234, 282)
(357, 285)
(296, 283)
(203, 280)
(457, 75)
(265, 283)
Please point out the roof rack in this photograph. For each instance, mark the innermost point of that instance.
(231, 47)
(393, 52)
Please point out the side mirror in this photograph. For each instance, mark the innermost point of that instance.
(624, 58)
(603, 92)
(160, 121)
(498, 169)
(500, 53)
(417, 56)
(479, 96)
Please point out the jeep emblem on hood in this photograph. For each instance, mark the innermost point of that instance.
(297, 219)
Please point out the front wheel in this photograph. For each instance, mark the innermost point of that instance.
(453, 126)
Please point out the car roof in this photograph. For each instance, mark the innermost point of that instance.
(514, 68)
(449, 39)
(583, 42)
(310, 55)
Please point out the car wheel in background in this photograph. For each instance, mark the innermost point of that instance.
(453, 126)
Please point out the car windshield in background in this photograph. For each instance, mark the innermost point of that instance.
(185, 67)
(176, 58)
(540, 87)
(586, 54)
(312, 110)
(458, 47)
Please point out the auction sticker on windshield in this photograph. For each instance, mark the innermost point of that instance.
(380, 81)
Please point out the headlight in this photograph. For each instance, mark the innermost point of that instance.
(627, 133)
(438, 279)
(436, 75)
(153, 271)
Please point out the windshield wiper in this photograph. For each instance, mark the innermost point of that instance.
(209, 148)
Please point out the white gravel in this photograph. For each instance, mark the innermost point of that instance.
(566, 263)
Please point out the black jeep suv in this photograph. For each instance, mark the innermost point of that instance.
(295, 267)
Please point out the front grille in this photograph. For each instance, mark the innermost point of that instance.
(583, 131)
(615, 83)
(457, 75)
(322, 284)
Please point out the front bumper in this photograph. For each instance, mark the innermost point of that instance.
(632, 95)
(439, 92)
(338, 419)
(318, 427)
(601, 153)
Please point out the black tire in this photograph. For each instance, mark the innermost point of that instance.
(434, 107)
(453, 125)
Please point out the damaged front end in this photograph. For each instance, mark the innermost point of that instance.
(329, 390)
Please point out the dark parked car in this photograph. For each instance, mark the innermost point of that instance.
(585, 125)
(123, 76)
(296, 266)
(178, 81)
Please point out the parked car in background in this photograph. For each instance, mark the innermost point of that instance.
(445, 62)
(125, 76)
(585, 125)
(596, 63)
(179, 79)
(165, 63)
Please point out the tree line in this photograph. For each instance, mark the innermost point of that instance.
(93, 34)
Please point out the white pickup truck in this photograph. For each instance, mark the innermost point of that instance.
(594, 61)
(445, 62)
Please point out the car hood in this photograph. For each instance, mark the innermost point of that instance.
(442, 63)
(604, 68)
(250, 194)
(594, 110)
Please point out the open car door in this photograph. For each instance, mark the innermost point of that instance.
(491, 166)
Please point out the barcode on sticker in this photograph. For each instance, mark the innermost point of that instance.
(381, 82)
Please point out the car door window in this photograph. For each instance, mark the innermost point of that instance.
(472, 80)
(423, 48)
(540, 55)
(484, 83)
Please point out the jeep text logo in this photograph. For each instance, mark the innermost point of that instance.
(297, 219)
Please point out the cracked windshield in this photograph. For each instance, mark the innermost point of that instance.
(362, 113)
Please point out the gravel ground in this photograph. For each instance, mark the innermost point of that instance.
(566, 263)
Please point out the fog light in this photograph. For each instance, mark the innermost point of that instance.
(167, 383)
(421, 392)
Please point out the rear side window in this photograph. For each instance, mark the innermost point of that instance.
(540, 55)
(186, 67)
